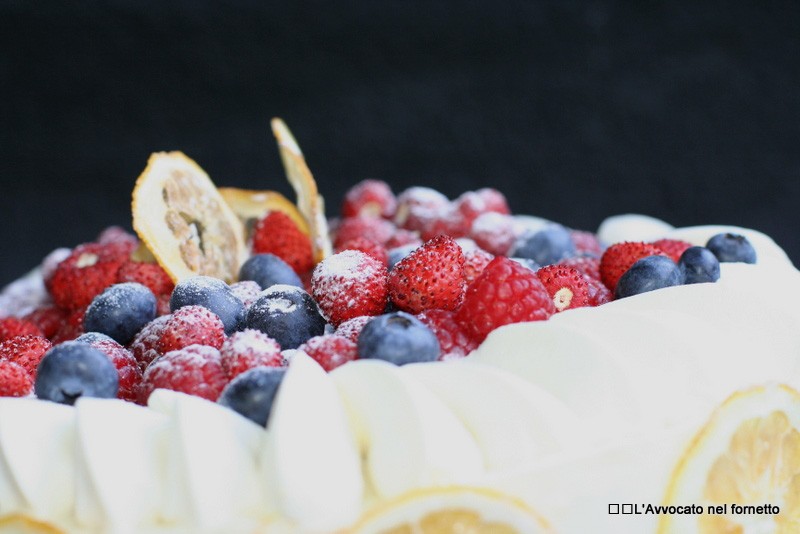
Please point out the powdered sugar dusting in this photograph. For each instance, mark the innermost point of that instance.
(346, 264)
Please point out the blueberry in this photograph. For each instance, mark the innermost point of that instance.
(698, 265)
(252, 393)
(267, 270)
(211, 293)
(399, 338)
(732, 248)
(547, 246)
(287, 314)
(72, 370)
(647, 274)
(93, 337)
(120, 311)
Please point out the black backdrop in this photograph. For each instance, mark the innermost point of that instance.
(689, 111)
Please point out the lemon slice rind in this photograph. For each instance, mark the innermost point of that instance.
(250, 205)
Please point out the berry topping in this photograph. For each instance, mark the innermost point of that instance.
(672, 248)
(376, 230)
(195, 370)
(93, 337)
(450, 222)
(431, 277)
(565, 285)
(252, 393)
(26, 351)
(475, 261)
(398, 338)
(415, 205)
(403, 237)
(11, 327)
(211, 293)
(349, 284)
(267, 270)
(472, 204)
(151, 275)
(493, 232)
(619, 257)
(586, 243)
(278, 234)
(248, 349)
(128, 372)
(367, 247)
(287, 314)
(370, 197)
(351, 328)
(14, 380)
(698, 265)
(505, 293)
(117, 234)
(330, 350)
(48, 318)
(145, 344)
(453, 341)
(191, 325)
(72, 327)
(648, 274)
(732, 248)
(247, 291)
(598, 293)
(86, 272)
(547, 246)
(73, 370)
(588, 265)
(395, 255)
(120, 311)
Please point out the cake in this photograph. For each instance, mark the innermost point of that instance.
(680, 396)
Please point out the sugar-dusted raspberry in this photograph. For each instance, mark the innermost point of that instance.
(11, 327)
(673, 248)
(247, 291)
(330, 350)
(588, 265)
(50, 263)
(453, 340)
(351, 328)
(86, 272)
(475, 203)
(493, 232)
(248, 349)
(418, 204)
(191, 325)
(145, 344)
(619, 257)
(163, 306)
(366, 246)
(26, 351)
(130, 375)
(565, 285)
(151, 275)
(276, 233)
(372, 228)
(14, 380)
(72, 327)
(195, 370)
(597, 292)
(48, 318)
(586, 243)
(505, 293)
(431, 277)
(370, 197)
(475, 261)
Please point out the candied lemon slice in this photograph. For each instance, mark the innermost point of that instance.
(452, 510)
(310, 202)
(19, 524)
(250, 206)
(183, 220)
(743, 467)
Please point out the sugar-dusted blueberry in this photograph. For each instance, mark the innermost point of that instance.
(399, 338)
(728, 247)
(698, 265)
(287, 314)
(252, 393)
(648, 274)
(267, 270)
(211, 293)
(547, 246)
(120, 311)
(72, 370)
(93, 337)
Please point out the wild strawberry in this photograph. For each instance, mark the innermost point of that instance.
(475, 203)
(26, 351)
(475, 261)
(349, 284)
(368, 247)
(493, 232)
(130, 375)
(403, 237)
(195, 370)
(144, 346)
(673, 248)
(417, 204)
(565, 285)
(586, 243)
(450, 222)
(11, 327)
(248, 349)
(597, 292)
(277, 234)
(505, 293)
(247, 291)
(50, 263)
(86, 272)
(351, 328)
(151, 275)
(330, 351)
(370, 197)
(619, 257)
(191, 325)
(14, 380)
(117, 234)
(431, 277)
(48, 318)
(453, 340)
(372, 228)
(588, 265)
(72, 327)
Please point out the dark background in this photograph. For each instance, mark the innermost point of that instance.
(688, 111)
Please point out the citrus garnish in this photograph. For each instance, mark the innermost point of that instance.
(310, 202)
(743, 467)
(452, 510)
(250, 206)
(19, 524)
(184, 221)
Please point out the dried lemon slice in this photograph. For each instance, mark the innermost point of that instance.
(743, 467)
(184, 221)
(310, 202)
(452, 510)
(250, 206)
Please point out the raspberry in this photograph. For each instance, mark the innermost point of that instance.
(431, 277)
(417, 204)
(191, 325)
(195, 370)
(248, 349)
(403, 237)
(11, 327)
(475, 203)
(673, 248)
(26, 351)
(505, 293)
(493, 232)
(145, 344)
(370, 197)
(151, 275)
(475, 261)
(330, 351)
(372, 228)
(48, 318)
(618, 258)
(351, 328)
(130, 375)
(277, 234)
(453, 341)
(14, 380)
(50, 263)
(163, 306)
(86, 272)
(368, 247)
(597, 292)
(565, 285)
(349, 284)
(247, 291)
(586, 243)
(72, 327)
(586, 264)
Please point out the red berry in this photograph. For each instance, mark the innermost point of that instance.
(368, 247)
(450, 222)
(586, 243)
(430, 277)
(505, 293)
(48, 318)
(191, 325)
(14, 380)
(372, 228)
(453, 340)
(370, 197)
(86, 272)
(351, 328)
(117, 234)
(349, 284)
(145, 344)
(151, 275)
(598, 293)
(493, 232)
(418, 204)
(195, 370)
(11, 327)
(130, 375)
(248, 349)
(619, 257)
(26, 351)
(278, 234)
(475, 261)
(672, 247)
(72, 327)
(330, 351)
(565, 285)
(588, 265)
(474, 203)
(247, 291)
